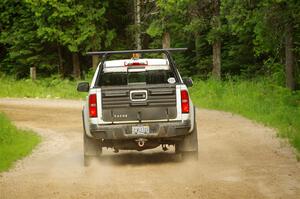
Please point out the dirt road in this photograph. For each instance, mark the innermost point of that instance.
(238, 159)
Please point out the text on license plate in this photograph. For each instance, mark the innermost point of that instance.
(140, 130)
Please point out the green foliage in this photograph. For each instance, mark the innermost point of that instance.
(14, 143)
(261, 25)
(18, 34)
(170, 15)
(33, 32)
(71, 24)
(155, 29)
(46, 33)
(260, 100)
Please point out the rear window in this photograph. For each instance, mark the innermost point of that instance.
(113, 79)
(127, 78)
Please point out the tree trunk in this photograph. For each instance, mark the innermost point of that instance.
(33, 73)
(137, 21)
(289, 58)
(60, 62)
(76, 65)
(95, 60)
(216, 71)
(198, 43)
(166, 40)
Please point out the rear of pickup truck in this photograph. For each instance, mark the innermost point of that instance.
(138, 104)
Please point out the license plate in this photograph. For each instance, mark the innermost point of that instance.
(140, 130)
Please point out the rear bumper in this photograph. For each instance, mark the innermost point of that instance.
(157, 130)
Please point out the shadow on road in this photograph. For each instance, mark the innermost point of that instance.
(139, 158)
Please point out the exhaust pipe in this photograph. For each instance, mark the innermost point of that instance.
(141, 142)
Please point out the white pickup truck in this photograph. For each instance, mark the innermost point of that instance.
(137, 104)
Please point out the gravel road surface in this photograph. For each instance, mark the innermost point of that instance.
(238, 159)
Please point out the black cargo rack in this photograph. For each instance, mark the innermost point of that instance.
(136, 51)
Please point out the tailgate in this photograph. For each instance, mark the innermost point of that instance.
(139, 103)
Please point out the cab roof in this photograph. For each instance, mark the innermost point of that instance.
(125, 64)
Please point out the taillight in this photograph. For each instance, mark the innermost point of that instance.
(136, 63)
(185, 104)
(93, 105)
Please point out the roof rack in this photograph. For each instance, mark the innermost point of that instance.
(136, 51)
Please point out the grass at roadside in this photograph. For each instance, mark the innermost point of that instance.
(44, 88)
(258, 100)
(14, 143)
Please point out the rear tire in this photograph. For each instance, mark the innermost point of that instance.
(91, 149)
(188, 147)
